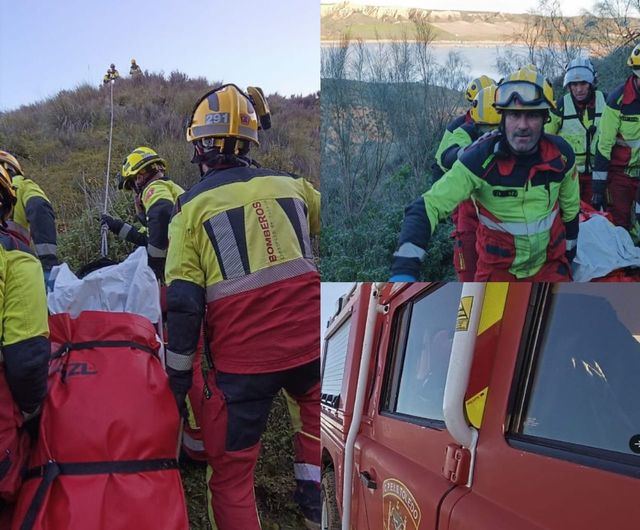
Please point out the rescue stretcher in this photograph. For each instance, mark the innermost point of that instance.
(106, 454)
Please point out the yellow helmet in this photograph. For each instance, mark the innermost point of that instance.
(7, 191)
(227, 113)
(137, 160)
(7, 160)
(482, 110)
(524, 90)
(476, 85)
(634, 58)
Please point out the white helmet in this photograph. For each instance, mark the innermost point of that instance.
(580, 70)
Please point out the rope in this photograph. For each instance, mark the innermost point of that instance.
(104, 229)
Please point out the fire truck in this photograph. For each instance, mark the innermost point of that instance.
(482, 406)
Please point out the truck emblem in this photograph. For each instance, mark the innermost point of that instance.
(400, 509)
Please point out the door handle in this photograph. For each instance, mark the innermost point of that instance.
(366, 479)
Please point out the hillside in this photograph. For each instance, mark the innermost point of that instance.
(367, 22)
(63, 144)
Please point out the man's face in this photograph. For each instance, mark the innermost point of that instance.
(523, 129)
(580, 90)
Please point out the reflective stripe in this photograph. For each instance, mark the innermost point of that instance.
(124, 231)
(191, 443)
(227, 245)
(599, 175)
(46, 249)
(409, 250)
(308, 472)
(633, 144)
(571, 243)
(581, 168)
(156, 252)
(18, 229)
(520, 229)
(306, 241)
(179, 361)
(255, 280)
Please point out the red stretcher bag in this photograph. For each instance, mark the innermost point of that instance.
(105, 458)
(14, 443)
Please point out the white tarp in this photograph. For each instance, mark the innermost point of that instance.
(603, 248)
(129, 287)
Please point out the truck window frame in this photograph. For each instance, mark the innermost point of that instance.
(399, 333)
(530, 345)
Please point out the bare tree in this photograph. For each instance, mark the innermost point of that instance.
(613, 25)
(356, 139)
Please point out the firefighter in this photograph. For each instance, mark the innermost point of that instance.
(240, 247)
(155, 194)
(111, 75)
(33, 218)
(577, 116)
(617, 162)
(474, 86)
(525, 187)
(24, 345)
(484, 119)
(143, 171)
(135, 70)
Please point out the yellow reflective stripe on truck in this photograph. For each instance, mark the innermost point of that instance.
(492, 312)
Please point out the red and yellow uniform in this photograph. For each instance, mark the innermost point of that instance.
(239, 247)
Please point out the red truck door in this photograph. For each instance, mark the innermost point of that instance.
(559, 445)
(400, 449)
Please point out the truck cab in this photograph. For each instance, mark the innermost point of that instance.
(474, 406)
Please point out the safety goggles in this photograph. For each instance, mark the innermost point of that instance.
(524, 92)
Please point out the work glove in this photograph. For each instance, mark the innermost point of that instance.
(48, 281)
(402, 278)
(597, 199)
(572, 248)
(180, 383)
(114, 225)
(31, 423)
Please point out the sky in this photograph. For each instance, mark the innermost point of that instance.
(48, 46)
(569, 7)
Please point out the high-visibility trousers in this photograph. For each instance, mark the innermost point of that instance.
(465, 255)
(235, 412)
(621, 195)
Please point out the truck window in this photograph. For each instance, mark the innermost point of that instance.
(423, 331)
(333, 368)
(579, 392)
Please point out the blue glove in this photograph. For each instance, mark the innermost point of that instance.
(402, 278)
(48, 282)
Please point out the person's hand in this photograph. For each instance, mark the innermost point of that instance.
(180, 383)
(571, 250)
(114, 225)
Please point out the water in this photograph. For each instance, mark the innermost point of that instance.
(479, 59)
